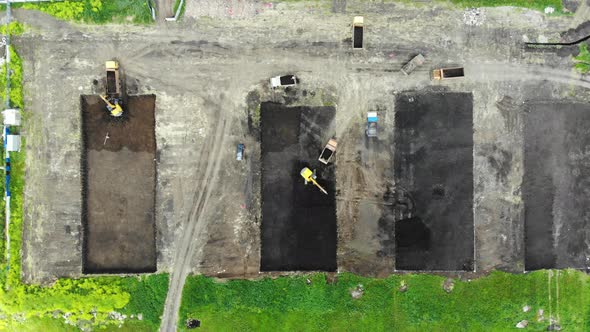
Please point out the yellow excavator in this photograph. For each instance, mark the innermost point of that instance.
(309, 176)
(114, 108)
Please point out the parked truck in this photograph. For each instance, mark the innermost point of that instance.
(112, 98)
(445, 73)
(113, 81)
(357, 32)
(328, 151)
(286, 80)
(416, 61)
(371, 129)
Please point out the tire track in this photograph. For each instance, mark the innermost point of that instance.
(195, 225)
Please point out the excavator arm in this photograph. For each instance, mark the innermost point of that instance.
(114, 108)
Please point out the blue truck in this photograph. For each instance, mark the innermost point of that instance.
(371, 129)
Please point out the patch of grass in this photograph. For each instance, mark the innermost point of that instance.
(492, 303)
(148, 295)
(14, 28)
(95, 11)
(35, 324)
(256, 117)
(533, 4)
(582, 61)
(176, 4)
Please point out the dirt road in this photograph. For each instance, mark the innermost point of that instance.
(209, 74)
(195, 225)
(165, 9)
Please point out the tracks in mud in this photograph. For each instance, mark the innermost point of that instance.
(195, 224)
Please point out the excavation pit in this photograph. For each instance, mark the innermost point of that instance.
(298, 221)
(118, 183)
(555, 185)
(433, 163)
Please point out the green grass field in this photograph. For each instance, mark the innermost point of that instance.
(492, 303)
(95, 11)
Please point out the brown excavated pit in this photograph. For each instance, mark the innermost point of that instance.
(118, 181)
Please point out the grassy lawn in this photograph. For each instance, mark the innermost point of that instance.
(492, 303)
(95, 11)
(582, 61)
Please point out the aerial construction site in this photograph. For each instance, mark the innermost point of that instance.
(366, 137)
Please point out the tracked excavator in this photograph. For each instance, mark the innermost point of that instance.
(114, 108)
(309, 176)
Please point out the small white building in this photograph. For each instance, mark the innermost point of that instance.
(12, 117)
(13, 143)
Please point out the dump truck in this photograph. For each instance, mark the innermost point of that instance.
(357, 32)
(286, 80)
(328, 151)
(371, 129)
(445, 73)
(416, 61)
(113, 81)
(112, 98)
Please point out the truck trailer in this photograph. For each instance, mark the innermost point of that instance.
(445, 73)
(357, 32)
(416, 61)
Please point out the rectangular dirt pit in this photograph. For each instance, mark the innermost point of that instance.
(433, 166)
(298, 220)
(555, 186)
(118, 181)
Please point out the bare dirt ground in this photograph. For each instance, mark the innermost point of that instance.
(298, 231)
(433, 153)
(210, 70)
(555, 191)
(119, 180)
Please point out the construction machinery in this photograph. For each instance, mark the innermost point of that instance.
(416, 61)
(114, 109)
(113, 89)
(371, 129)
(309, 176)
(357, 32)
(328, 151)
(283, 81)
(446, 73)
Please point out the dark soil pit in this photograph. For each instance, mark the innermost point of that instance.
(118, 181)
(433, 156)
(298, 220)
(555, 186)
